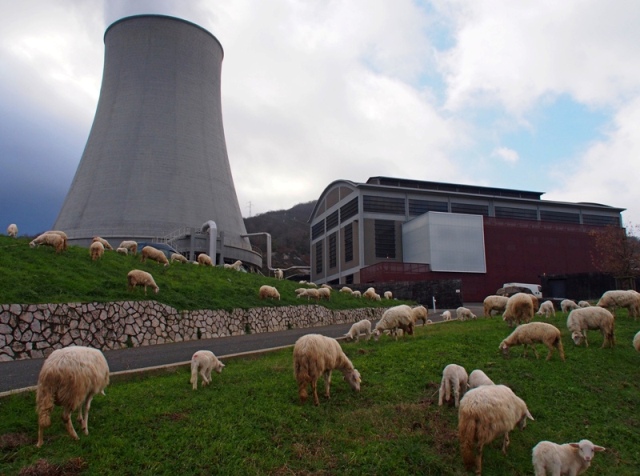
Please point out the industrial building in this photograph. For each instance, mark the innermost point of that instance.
(155, 166)
(392, 229)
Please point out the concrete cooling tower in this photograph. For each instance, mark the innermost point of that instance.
(155, 166)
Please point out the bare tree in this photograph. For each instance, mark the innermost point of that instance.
(616, 252)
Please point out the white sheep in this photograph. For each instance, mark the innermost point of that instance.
(463, 313)
(154, 254)
(519, 309)
(567, 305)
(104, 242)
(394, 318)
(370, 293)
(547, 310)
(205, 362)
(454, 378)
(360, 327)
(357, 294)
(584, 318)
(122, 251)
(12, 230)
(636, 341)
(485, 413)
(628, 299)
(237, 265)
(137, 277)
(584, 304)
(204, 259)
(446, 315)
(70, 377)
(478, 378)
(569, 459)
(96, 250)
(178, 257)
(62, 235)
(388, 295)
(494, 303)
(308, 293)
(324, 293)
(326, 286)
(531, 333)
(346, 290)
(419, 313)
(131, 246)
(315, 355)
(49, 239)
(267, 291)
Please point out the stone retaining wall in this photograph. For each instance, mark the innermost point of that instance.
(35, 330)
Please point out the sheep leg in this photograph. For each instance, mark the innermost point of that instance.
(66, 418)
(505, 443)
(85, 417)
(314, 386)
(479, 459)
(205, 380)
(327, 383)
(550, 352)
(584, 334)
(302, 391)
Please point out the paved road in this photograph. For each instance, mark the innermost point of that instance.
(21, 374)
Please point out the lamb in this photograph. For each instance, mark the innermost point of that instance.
(268, 292)
(154, 254)
(324, 293)
(236, 265)
(346, 290)
(446, 315)
(178, 257)
(122, 251)
(567, 305)
(204, 259)
(394, 318)
(278, 273)
(547, 310)
(12, 230)
(570, 458)
(636, 341)
(96, 250)
(593, 317)
(70, 377)
(360, 327)
(584, 304)
(532, 333)
(49, 239)
(315, 355)
(463, 313)
(519, 309)
(485, 413)
(131, 246)
(628, 299)
(357, 294)
(388, 295)
(104, 242)
(419, 313)
(478, 378)
(494, 303)
(308, 293)
(454, 377)
(204, 361)
(137, 277)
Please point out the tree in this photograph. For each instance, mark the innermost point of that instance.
(617, 252)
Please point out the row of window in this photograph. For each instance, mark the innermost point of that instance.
(333, 248)
(345, 212)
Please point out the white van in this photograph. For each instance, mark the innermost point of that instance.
(535, 289)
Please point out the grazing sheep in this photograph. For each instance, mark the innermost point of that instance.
(96, 250)
(463, 313)
(324, 293)
(131, 246)
(137, 277)
(268, 292)
(104, 242)
(154, 254)
(494, 303)
(547, 310)
(485, 413)
(519, 309)
(62, 234)
(446, 315)
(360, 327)
(532, 333)
(346, 290)
(326, 286)
(122, 251)
(70, 377)
(204, 361)
(454, 377)
(388, 295)
(204, 259)
(628, 299)
(478, 378)
(567, 305)
(49, 239)
(370, 293)
(278, 273)
(237, 265)
(308, 293)
(584, 304)
(313, 285)
(569, 459)
(315, 355)
(394, 318)
(179, 258)
(419, 313)
(636, 341)
(584, 318)
(12, 230)
(357, 294)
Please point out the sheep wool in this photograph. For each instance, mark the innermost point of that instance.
(204, 259)
(178, 257)
(360, 327)
(628, 299)
(236, 265)
(519, 309)
(346, 290)
(636, 341)
(582, 319)
(478, 378)
(122, 251)
(570, 458)
(463, 313)
(104, 242)
(154, 254)
(547, 310)
(12, 230)
(419, 313)
(70, 377)
(278, 273)
(268, 292)
(137, 277)
(96, 250)
(205, 362)
(446, 316)
(62, 235)
(357, 294)
(131, 246)
(388, 295)
(315, 355)
(531, 333)
(567, 305)
(494, 303)
(485, 413)
(394, 318)
(49, 239)
(454, 379)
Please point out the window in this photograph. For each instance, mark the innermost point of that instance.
(560, 217)
(376, 204)
(385, 239)
(348, 243)
(517, 213)
(348, 210)
(332, 220)
(419, 207)
(470, 209)
(332, 250)
(600, 220)
(319, 245)
(317, 230)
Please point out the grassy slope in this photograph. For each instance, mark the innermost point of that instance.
(250, 422)
(40, 276)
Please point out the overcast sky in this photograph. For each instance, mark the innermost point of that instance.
(540, 95)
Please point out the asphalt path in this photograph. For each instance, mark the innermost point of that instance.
(22, 375)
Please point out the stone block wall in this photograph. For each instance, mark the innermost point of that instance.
(35, 330)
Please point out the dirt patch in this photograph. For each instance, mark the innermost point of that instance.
(42, 467)
(11, 441)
